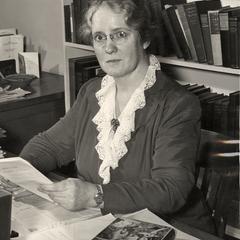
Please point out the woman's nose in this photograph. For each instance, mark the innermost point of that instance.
(110, 46)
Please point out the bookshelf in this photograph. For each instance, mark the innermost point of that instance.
(220, 79)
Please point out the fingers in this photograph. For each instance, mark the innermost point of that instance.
(53, 187)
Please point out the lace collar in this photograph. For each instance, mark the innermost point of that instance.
(111, 145)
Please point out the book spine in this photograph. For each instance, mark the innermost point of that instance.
(160, 43)
(215, 37)
(195, 28)
(72, 22)
(67, 23)
(179, 33)
(171, 34)
(187, 31)
(238, 42)
(72, 80)
(76, 19)
(206, 37)
(233, 42)
(225, 38)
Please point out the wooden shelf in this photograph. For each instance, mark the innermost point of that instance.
(80, 46)
(201, 66)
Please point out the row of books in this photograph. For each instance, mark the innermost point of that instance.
(200, 31)
(204, 32)
(220, 113)
(73, 11)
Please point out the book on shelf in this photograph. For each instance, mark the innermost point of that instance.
(186, 30)
(67, 23)
(206, 37)
(218, 113)
(193, 10)
(213, 18)
(233, 114)
(160, 40)
(204, 21)
(73, 13)
(194, 25)
(81, 69)
(224, 15)
(234, 32)
(172, 36)
(124, 228)
(178, 31)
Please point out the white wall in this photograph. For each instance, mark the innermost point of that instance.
(40, 21)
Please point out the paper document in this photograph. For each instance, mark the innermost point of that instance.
(29, 63)
(23, 174)
(32, 212)
(82, 230)
(9, 95)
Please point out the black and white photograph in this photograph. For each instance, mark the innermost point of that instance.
(117, 112)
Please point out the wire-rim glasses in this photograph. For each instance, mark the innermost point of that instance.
(118, 37)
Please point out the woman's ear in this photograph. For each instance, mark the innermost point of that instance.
(146, 44)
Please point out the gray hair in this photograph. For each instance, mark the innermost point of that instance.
(137, 16)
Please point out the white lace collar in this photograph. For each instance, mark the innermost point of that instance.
(111, 146)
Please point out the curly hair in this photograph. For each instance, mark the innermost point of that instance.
(137, 16)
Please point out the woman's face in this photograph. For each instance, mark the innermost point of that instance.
(121, 53)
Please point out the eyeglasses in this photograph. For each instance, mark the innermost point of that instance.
(119, 37)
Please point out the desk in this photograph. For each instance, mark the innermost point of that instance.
(26, 117)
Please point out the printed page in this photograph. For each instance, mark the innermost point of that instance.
(32, 213)
(84, 230)
(22, 173)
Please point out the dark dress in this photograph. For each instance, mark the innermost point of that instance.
(159, 168)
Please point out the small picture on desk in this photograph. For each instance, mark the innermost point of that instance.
(129, 229)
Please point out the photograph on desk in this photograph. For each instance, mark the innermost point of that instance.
(129, 229)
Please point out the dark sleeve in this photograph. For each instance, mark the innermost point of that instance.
(172, 173)
(55, 147)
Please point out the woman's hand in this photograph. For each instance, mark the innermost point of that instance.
(72, 193)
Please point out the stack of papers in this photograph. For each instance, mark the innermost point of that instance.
(17, 93)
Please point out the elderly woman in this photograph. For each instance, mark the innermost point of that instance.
(133, 134)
